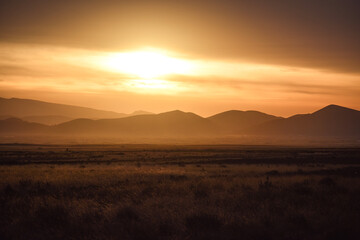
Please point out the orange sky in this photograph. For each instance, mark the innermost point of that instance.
(205, 57)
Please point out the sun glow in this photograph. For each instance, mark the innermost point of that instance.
(151, 85)
(146, 64)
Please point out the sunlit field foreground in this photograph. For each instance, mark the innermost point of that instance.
(178, 192)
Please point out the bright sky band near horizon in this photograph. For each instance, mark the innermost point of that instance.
(279, 57)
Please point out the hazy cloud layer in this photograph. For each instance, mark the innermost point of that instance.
(306, 33)
(72, 76)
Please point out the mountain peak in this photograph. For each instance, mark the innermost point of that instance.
(175, 112)
(179, 113)
(239, 113)
(236, 121)
(140, 112)
(332, 108)
(28, 107)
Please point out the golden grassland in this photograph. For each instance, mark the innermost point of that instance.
(178, 192)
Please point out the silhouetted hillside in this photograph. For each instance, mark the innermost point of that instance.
(333, 120)
(236, 122)
(175, 123)
(18, 126)
(48, 119)
(140, 112)
(26, 107)
(330, 124)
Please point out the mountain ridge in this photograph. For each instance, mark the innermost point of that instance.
(236, 121)
(330, 122)
(53, 113)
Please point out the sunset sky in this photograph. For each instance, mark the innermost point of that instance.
(281, 57)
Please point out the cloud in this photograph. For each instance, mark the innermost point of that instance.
(238, 86)
(305, 33)
(218, 85)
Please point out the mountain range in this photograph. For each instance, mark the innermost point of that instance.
(330, 122)
(52, 113)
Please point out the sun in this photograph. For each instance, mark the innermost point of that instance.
(148, 64)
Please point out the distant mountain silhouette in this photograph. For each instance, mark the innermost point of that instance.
(236, 122)
(26, 107)
(329, 121)
(175, 123)
(18, 126)
(52, 113)
(48, 119)
(140, 112)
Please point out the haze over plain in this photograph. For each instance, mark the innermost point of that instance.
(24, 120)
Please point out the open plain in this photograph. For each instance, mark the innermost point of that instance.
(178, 192)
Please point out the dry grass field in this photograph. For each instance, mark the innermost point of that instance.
(178, 192)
